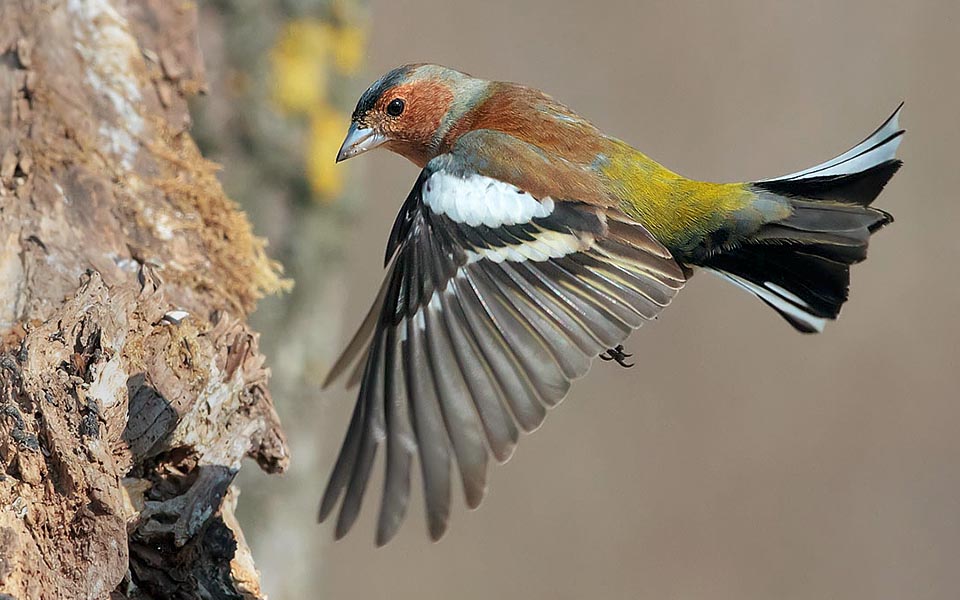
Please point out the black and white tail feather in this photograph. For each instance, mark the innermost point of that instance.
(800, 265)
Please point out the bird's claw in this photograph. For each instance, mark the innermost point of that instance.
(617, 354)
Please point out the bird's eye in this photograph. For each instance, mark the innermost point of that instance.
(395, 108)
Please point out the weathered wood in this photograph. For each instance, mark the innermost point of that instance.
(131, 386)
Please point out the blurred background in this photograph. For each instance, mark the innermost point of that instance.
(737, 459)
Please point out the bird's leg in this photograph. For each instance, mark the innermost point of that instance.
(618, 355)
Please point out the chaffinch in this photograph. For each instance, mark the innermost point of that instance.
(532, 243)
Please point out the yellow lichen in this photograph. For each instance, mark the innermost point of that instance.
(326, 130)
(348, 46)
(302, 58)
(300, 65)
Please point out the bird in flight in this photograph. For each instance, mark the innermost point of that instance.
(532, 243)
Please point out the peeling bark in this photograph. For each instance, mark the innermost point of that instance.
(131, 386)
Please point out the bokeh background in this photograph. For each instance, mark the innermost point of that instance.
(738, 459)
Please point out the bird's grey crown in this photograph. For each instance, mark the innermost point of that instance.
(370, 97)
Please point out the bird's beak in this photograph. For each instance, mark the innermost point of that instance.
(359, 140)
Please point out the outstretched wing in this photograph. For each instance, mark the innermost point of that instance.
(493, 302)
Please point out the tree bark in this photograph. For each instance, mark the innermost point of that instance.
(131, 386)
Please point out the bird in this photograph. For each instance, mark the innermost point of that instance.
(532, 243)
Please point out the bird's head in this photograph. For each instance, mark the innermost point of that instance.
(409, 110)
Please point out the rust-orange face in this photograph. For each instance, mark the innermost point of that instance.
(402, 111)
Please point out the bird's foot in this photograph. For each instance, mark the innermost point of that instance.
(618, 355)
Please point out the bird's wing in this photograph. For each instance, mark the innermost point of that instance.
(493, 302)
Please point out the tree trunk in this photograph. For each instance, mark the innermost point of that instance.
(131, 386)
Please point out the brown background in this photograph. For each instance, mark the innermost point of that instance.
(738, 459)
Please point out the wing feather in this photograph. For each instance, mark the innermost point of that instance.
(370, 436)
(517, 390)
(572, 361)
(428, 426)
(532, 354)
(494, 301)
(501, 431)
(401, 442)
(459, 414)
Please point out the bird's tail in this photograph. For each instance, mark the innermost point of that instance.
(800, 265)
